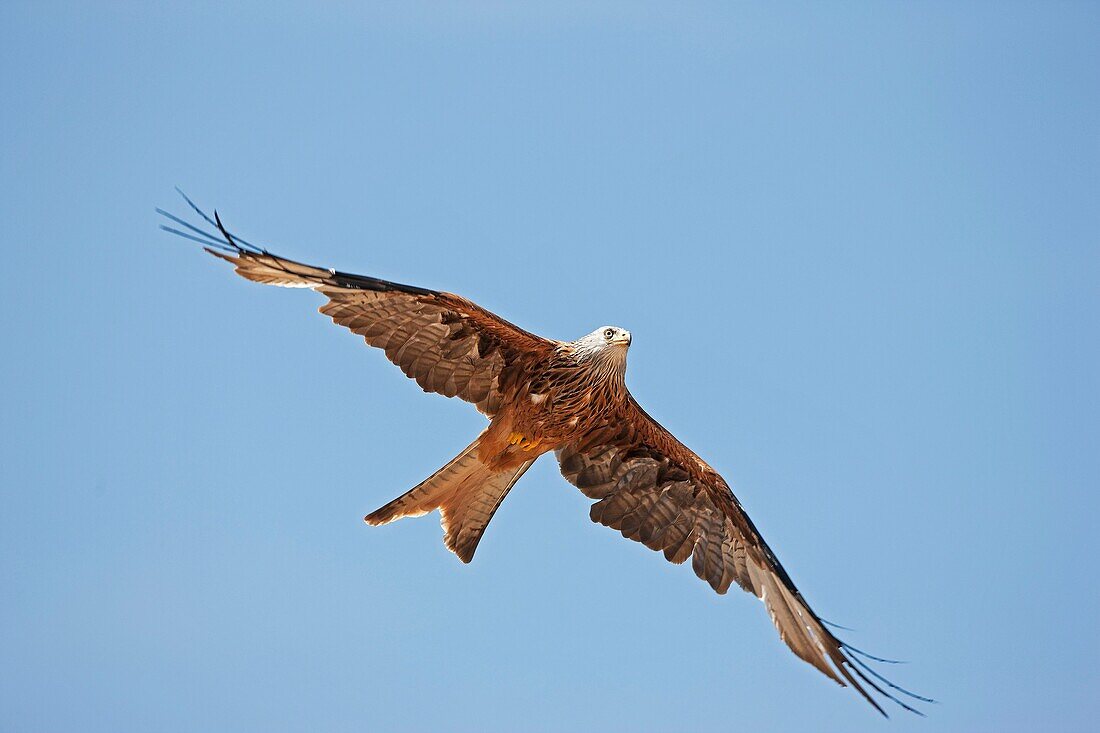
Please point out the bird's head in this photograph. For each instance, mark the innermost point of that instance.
(607, 345)
(611, 336)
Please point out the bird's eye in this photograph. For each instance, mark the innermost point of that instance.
(609, 334)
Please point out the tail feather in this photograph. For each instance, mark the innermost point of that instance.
(429, 493)
(467, 515)
(467, 493)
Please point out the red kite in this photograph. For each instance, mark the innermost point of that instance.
(569, 397)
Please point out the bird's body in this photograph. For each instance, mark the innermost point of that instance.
(544, 400)
(550, 399)
(567, 397)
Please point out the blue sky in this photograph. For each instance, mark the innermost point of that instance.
(856, 245)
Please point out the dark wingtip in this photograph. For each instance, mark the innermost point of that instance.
(846, 660)
(864, 654)
(194, 206)
(835, 626)
(891, 685)
(231, 243)
(235, 240)
(197, 235)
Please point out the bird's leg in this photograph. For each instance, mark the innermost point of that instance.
(520, 440)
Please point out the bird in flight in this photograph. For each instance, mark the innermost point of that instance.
(568, 397)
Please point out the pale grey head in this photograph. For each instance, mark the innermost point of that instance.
(606, 347)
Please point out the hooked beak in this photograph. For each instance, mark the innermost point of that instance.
(622, 339)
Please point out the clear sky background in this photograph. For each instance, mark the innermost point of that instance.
(858, 249)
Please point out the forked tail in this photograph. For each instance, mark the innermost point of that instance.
(467, 493)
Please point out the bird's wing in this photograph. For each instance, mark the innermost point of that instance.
(445, 342)
(656, 491)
